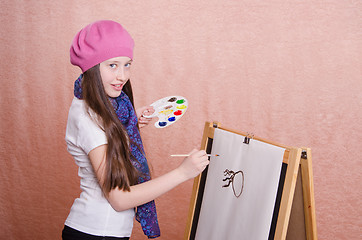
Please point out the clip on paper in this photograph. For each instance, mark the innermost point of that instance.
(247, 138)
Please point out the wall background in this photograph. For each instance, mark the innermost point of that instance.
(288, 71)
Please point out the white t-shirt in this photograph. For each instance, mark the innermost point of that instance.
(91, 212)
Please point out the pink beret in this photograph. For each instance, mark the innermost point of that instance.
(100, 41)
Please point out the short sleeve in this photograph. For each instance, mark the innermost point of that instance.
(90, 135)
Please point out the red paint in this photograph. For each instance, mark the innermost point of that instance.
(178, 112)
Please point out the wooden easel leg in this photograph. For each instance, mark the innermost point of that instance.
(308, 195)
(288, 194)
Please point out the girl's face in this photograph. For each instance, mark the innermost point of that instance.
(115, 72)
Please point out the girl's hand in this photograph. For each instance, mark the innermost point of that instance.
(144, 192)
(194, 164)
(144, 111)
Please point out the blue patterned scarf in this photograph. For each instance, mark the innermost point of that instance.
(146, 213)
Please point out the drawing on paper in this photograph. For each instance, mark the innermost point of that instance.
(236, 179)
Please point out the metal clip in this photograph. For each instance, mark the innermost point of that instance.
(248, 137)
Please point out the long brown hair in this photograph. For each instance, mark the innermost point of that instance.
(119, 171)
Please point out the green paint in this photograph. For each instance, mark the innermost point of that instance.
(180, 101)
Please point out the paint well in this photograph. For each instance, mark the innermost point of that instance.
(162, 124)
(166, 112)
(171, 119)
(178, 113)
(181, 107)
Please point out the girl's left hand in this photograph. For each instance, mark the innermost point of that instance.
(144, 111)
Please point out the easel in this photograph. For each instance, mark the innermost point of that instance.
(296, 182)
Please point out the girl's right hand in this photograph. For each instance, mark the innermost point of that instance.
(194, 164)
(142, 193)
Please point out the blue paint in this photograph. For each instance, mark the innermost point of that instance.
(171, 119)
(162, 124)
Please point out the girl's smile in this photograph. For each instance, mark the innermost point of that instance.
(117, 87)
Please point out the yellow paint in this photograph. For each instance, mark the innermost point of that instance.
(166, 112)
(181, 107)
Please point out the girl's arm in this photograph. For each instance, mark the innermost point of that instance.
(142, 193)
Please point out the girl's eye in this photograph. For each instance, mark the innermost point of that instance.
(112, 65)
(127, 65)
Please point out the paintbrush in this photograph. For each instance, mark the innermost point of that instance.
(186, 155)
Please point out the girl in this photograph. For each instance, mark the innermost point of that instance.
(103, 137)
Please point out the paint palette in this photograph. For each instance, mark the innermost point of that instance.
(168, 110)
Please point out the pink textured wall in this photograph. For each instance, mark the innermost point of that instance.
(288, 71)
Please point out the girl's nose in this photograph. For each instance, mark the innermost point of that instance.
(121, 74)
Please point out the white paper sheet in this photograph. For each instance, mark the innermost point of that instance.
(225, 216)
